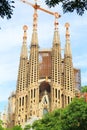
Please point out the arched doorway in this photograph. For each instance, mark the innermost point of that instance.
(44, 97)
(44, 88)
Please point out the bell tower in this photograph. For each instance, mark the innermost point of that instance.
(69, 88)
(56, 70)
(33, 70)
(21, 89)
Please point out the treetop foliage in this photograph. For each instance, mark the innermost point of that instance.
(69, 5)
(84, 89)
(73, 117)
(17, 128)
(6, 8)
(27, 127)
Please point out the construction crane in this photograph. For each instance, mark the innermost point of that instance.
(37, 7)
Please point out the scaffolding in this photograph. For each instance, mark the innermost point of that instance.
(77, 74)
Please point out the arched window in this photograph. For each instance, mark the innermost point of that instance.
(19, 101)
(23, 101)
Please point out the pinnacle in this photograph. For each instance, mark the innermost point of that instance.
(25, 27)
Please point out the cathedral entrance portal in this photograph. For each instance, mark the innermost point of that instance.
(44, 97)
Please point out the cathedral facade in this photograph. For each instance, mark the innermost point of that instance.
(46, 80)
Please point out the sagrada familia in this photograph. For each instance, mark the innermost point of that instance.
(46, 79)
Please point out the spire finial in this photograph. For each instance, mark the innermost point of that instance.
(67, 25)
(57, 15)
(24, 52)
(35, 16)
(35, 20)
(34, 39)
(56, 38)
(25, 28)
(67, 46)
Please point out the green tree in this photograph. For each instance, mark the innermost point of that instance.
(84, 89)
(69, 5)
(50, 121)
(1, 122)
(75, 115)
(6, 8)
(17, 127)
(1, 128)
(27, 127)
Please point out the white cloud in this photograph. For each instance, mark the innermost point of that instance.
(5, 92)
(80, 61)
(9, 38)
(8, 72)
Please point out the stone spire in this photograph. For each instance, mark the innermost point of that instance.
(56, 56)
(22, 74)
(56, 38)
(34, 40)
(67, 45)
(56, 70)
(21, 90)
(24, 51)
(34, 55)
(69, 84)
(33, 73)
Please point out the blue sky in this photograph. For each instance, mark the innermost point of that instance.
(11, 34)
